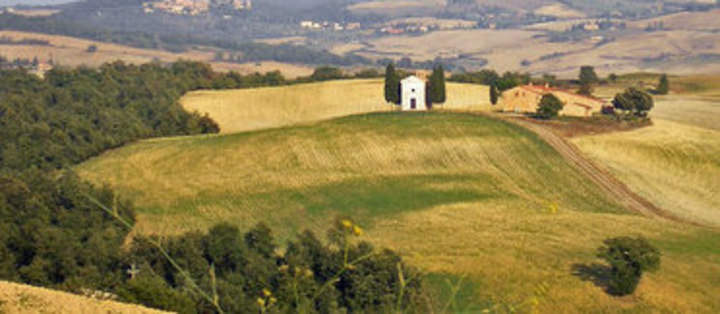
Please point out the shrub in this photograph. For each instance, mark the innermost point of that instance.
(550, 106)
(151, 290)
(327, 73)
(628, 259)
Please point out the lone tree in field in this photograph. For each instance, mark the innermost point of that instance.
(437, 85)
(494, 94)
(628, 259)
(392, 85)
(587, 78)
(550, 106)
(634, 102)
(663, 86)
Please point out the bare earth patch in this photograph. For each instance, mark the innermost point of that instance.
(17, 298)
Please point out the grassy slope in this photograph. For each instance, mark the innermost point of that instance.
(455, 193)
(254, 109)
(676, 162)
(16, 298)
(674, 165)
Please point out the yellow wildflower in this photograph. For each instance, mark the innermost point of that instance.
(261, 302)
(266, 292)
(357, 231)
(347, 223)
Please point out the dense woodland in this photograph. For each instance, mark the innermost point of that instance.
(63, 233)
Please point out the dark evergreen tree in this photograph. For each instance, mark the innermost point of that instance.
(494, 94)
(588, 75)
(587, 78)
(437, 85)
(392, 85)
(664, 85)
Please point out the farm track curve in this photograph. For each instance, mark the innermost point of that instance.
(606, 181)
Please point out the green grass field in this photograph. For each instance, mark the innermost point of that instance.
(456, 194)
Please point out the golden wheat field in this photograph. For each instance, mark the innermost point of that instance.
(456, 194)
(17, 299)
(262, 108)
(675, 165)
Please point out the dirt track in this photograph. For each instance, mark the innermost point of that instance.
(606, 181)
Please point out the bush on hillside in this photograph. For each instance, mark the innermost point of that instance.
(634, 102)
(327, 73)
(550, 106)
(629, 258)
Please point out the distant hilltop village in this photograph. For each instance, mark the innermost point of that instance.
(193, 7)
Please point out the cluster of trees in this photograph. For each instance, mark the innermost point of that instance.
(254, 52)
(633, 103)
(17, 63)
(63, 233)
(449, 64)
(5, 40)
(502, 82)
(243, 273)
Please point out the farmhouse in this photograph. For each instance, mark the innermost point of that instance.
(526, 99)
(412, 95)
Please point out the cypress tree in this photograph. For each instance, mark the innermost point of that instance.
(392, 85)
(437, 85)
(494, 94)
(664, 85)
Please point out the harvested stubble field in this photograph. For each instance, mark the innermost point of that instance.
(262, 108)
(456, 194)
(675, 165)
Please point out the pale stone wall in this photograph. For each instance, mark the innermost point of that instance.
(413, 94)
(526, 99)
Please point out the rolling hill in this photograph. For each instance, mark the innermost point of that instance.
(459, 195)
(70, 51)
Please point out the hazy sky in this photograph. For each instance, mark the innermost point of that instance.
(33, 2)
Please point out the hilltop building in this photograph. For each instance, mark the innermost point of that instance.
(413, 96)
(526, 99)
